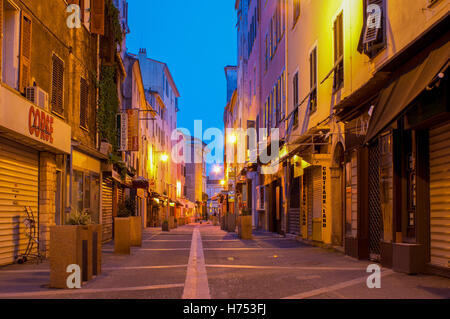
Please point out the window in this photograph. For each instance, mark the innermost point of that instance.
(11, 36)
(25, 53)
(313, 80)
(86, 193)
(84, 103)
(373, 35)
(338, 53)
(295, 90)
(296, 7)
(57, 85)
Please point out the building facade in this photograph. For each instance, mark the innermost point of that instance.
(356, 91)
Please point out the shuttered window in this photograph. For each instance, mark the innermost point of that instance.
(373, 34)
(84, 103)
(313, 80)
(338, 52)
(57, 84)
(98, 17)
(296, 10)
(25, 52)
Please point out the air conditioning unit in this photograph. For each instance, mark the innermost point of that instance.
(38, 96)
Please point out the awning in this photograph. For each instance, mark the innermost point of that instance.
(140, 182)
(409, 81)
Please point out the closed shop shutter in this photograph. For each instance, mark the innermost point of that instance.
(18, 188)
(107, 209)
(294, 209)
(309, 201)
(317, 203)
(440, 195)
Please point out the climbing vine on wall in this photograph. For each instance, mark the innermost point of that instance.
(108, 105)
(113, 15)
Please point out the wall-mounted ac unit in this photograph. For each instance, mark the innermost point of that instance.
(38, 96)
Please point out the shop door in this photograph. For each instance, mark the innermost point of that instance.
(294, 207)
(440, 196)
(107, 209)
(19, 169)
(375, 215)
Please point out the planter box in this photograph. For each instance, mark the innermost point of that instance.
(165, 227)
(122, 236)
(231, 223)
(245, 227)
(136, 231)
(78, 245)
(65, 250)
(408, 258)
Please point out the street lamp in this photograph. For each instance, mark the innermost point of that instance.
(217, 169)
(164, 157)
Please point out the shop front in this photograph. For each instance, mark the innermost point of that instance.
(408, 134)
(33, 149)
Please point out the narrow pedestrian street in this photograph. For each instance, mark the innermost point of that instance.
(224, 267)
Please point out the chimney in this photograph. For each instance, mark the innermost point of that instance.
(143, 52)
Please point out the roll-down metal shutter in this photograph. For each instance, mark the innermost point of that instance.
(107, 209)
(440, 195)
(317, 203)
(19, 169)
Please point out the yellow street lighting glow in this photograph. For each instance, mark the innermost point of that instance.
(222, 182)
(164, 157)
(232, 139)
(156, 200)
(305, 164)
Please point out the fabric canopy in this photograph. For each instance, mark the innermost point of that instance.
(409, 81)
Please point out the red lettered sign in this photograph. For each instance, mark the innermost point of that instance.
(40, 124)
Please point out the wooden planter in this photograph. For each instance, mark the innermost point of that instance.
(136, 231)
(245, 227)
(231, 223)
(74, 245)
(122, 238)
(165, 227)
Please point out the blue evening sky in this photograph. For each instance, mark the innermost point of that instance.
(197, 39)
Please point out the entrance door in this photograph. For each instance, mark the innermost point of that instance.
(375, 216)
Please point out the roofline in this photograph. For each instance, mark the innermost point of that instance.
(177, 93)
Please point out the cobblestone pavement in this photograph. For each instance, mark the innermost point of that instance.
(202, 261)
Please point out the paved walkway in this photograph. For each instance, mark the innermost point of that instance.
(202, 261)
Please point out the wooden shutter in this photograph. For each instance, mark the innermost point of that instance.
(25, 52)
(57, 84)
(98, 16)
(84, 102)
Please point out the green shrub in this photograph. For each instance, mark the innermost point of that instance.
(80, 218)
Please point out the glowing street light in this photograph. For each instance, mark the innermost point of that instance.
(164, 157)
(217, 169)
(232, 139)
(222, 182)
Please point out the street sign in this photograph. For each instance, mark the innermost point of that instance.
(122, 121)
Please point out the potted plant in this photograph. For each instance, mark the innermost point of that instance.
(78, 242)
(165, 225)
(122, 237)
